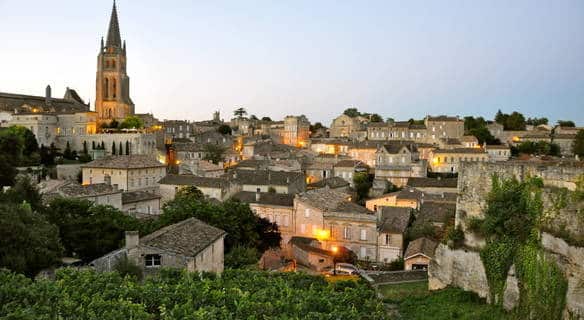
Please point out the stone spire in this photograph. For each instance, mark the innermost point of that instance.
(113, 34)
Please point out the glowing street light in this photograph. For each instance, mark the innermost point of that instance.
(335, 250)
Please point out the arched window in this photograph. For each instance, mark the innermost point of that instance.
(106, 88)
(109, 111)
(115, 88)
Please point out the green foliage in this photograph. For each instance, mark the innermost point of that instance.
(396, 293)
(28, 242)
(375, 118)
(513, 209)
(240, 256)
(497, 258)
(566, 123)
(352, 112)
(24, 190)
(536, 121)
(214, 153)
(237, 294)
(243, 227)
(420, 230)
(450, 303)
(89, 231)
(514, 121)
(18, 147)
(363, 182)
(132, 122)
(67, 153)
(454, 236)
(542, 286)
(511, 226)
(271, 189)
(126, 267)
(266, 119)
(538, 148)
(239, 112)
(190, 192)
(578, 144)
(478, 127)
(224, 129)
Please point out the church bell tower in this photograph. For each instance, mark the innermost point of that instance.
(112, 94)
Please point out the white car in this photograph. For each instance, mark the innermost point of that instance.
(342, 269)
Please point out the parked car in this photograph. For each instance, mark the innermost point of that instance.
(342, 269)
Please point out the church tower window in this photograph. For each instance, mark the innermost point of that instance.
(115, 88)
(106, 88)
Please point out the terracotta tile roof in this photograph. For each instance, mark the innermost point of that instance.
(394, 147)
(125, 162)
(188, 237)
(433, 182)
(137, 196)
(423, 246)
(265, 177)
(443, 118)
(394, 219)
(276, 199)
(436, 212)
(191, 180)
(460, 150)
(331, 201)
(333, 183)
(497, 147)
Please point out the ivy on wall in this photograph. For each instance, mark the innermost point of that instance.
(510, 226)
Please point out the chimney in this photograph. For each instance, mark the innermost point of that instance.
(48, 94)
(132, 239)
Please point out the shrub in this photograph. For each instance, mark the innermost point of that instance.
(454, 236)
(241, 256)
(126, 267)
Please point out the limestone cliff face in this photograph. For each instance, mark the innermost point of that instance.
(459, 268)
(463, 267)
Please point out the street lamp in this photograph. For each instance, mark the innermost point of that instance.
(335, 249)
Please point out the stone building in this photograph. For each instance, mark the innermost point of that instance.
(405, 198)
(347, 169)
(392, 225)
(397, 161)
(276, 207)
(13, 103)
(443, 127)
(397, 130)
(296, 131)
(177, 129)
(99, 193)
(419, 253)
(449, 160)
(498, 152)
(330, 146)
(266, 180)
(112, 96)
(345, 126)
(331, 217)
(365, 151)
(437, 185)
(212, 187)
(190, 244)
(141, 203)
(129, 173)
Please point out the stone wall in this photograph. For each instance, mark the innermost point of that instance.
(463, 267)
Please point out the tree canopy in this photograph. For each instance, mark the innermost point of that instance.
(132, 122)
(478, 127)
(213, 152)
(239, 112)
(566, 123)
(28, 242)
(513, 121)
(578, 144)
(224, 129)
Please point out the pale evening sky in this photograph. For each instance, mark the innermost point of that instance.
(400, 59)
